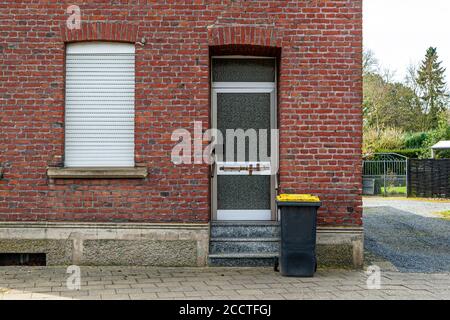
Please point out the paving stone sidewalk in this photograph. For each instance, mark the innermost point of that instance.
(214, 283)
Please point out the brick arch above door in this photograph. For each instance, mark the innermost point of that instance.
(101, 31)
(243, 35)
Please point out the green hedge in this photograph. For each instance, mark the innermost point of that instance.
(416, 140)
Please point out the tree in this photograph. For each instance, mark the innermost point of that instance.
(411, 78)
(404, 110)
(432, 86)
(370, 62)
(390, 105)
(374, 102)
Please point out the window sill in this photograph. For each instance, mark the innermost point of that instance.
(97, 173)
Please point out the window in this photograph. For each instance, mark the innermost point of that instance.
(99, 117)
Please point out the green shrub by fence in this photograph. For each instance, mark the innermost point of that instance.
(415, 140)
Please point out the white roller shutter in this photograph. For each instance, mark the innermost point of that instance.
(99, 104)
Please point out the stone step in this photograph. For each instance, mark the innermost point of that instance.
(244, 245)
(243, 259)
(243, 229)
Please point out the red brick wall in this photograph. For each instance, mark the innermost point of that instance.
(320, 90)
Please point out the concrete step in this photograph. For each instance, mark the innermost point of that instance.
(243, 259)
(244, 245)
(244, 229)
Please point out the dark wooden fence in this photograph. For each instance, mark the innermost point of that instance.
(429, 178)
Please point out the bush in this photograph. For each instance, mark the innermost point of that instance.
(388, 139)
(415, 140)
(412, 145)
(443, 154)
(442, 132)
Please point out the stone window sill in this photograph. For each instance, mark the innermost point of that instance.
(97, 173)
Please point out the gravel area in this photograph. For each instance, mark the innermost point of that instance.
(408, 234)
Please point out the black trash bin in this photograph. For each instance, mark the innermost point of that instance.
(298, 218)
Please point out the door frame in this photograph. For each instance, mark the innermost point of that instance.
(244, 87)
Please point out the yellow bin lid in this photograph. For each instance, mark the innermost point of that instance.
(297, 198)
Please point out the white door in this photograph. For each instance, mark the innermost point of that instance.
(244, 112)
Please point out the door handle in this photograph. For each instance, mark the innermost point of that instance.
(213, 169)
(250, 168)
(213, 165)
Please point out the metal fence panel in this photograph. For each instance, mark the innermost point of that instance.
(385, 175)
(429, 178)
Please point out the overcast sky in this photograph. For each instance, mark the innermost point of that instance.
(400, 31)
